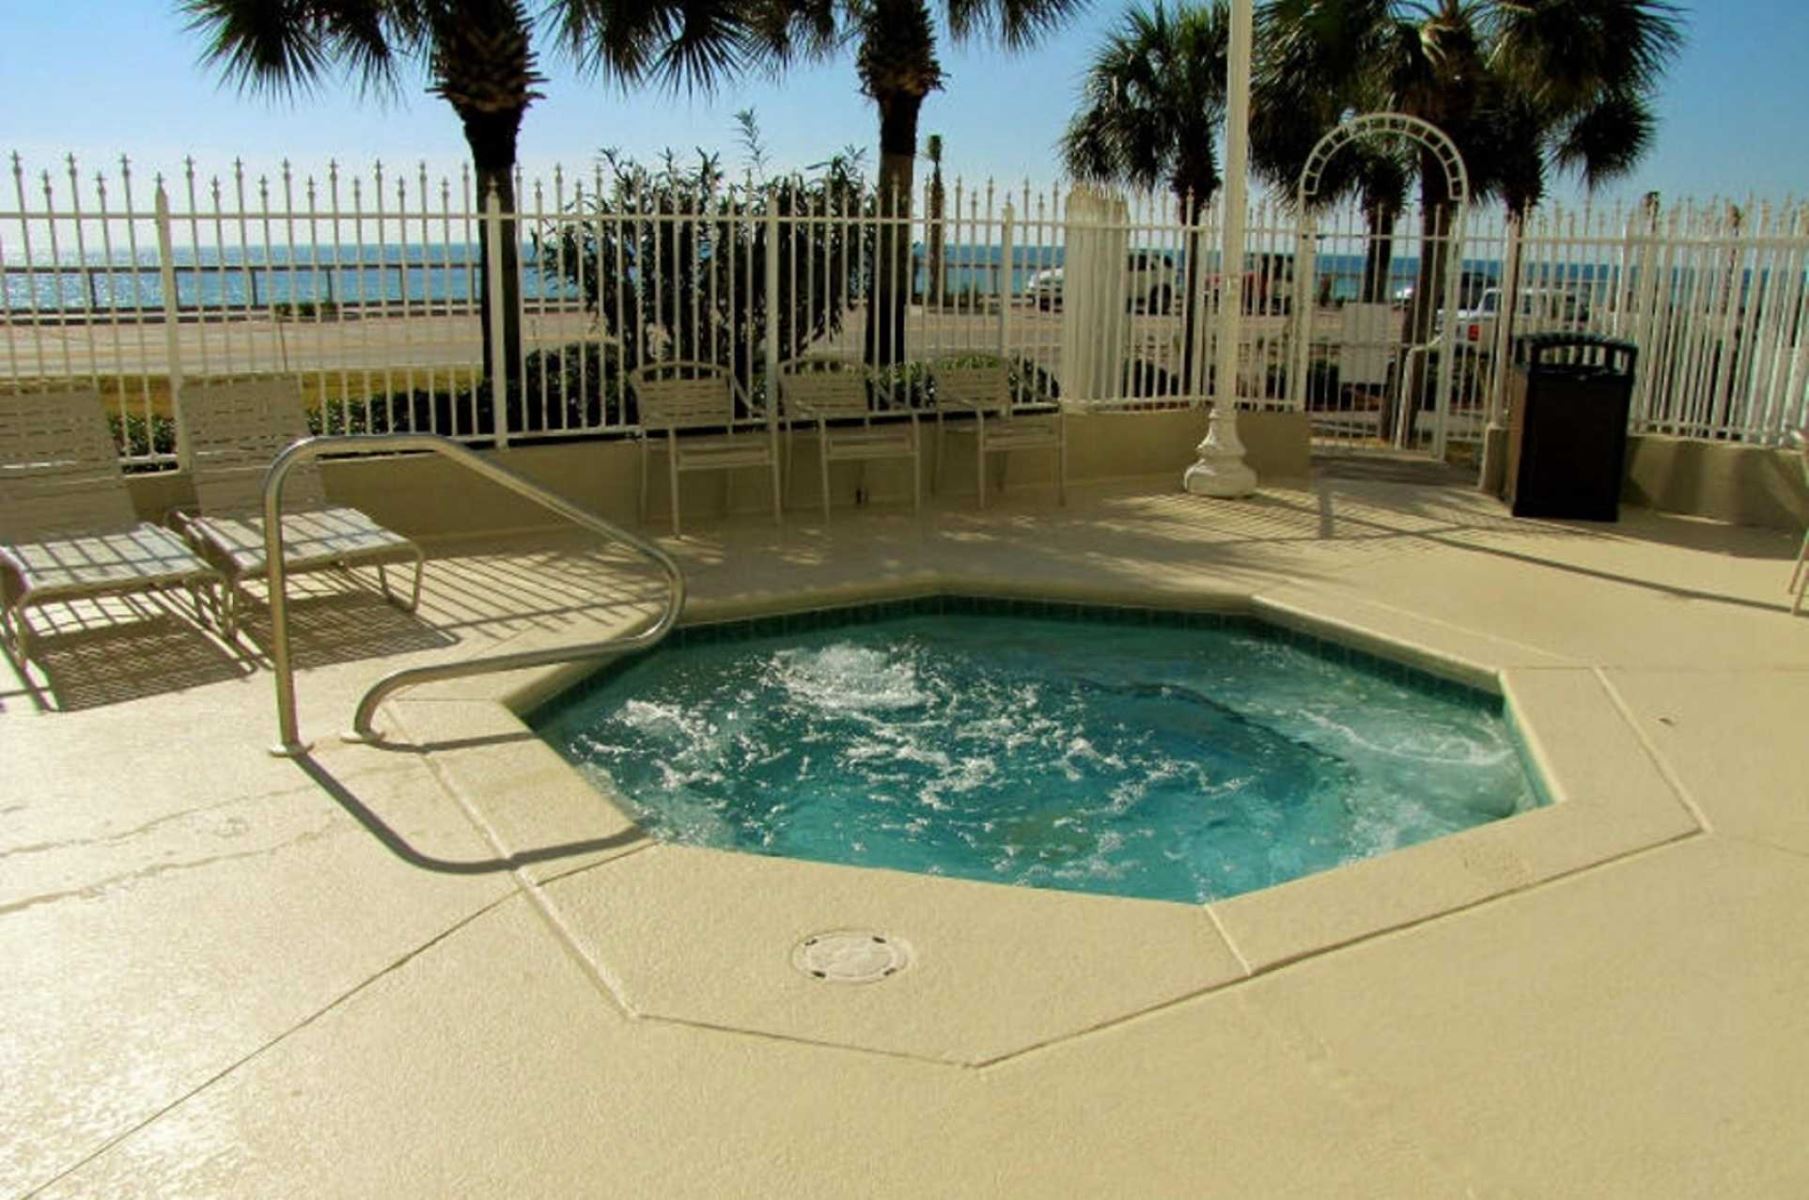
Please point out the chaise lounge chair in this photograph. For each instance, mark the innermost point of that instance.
(234, 430)
(68, 530)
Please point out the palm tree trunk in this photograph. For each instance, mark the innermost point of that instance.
(1378, 252)
(891, 286)
(492, 138)
(932, 284)
(1190, 309)
(1428, 288)
(898, 68)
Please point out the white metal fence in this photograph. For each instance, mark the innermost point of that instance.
(1713, 295)
(367, 287)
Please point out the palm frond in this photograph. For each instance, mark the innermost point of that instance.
(1566, 53)
(686, 45)
(282, 47)
(1014, 24)
(1607, 140)
(1151, 102)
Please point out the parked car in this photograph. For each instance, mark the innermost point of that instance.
(1152, 280)
(1537, 310)
(1268, 283)
(1044, 288)
(1470, 287)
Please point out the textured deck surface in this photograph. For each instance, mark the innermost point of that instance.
(232, 974)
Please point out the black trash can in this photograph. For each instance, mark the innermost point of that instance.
(1568, 396)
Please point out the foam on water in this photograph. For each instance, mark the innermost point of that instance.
(847, 678)
(1147, 761)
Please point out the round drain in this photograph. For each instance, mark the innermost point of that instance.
(850, 956)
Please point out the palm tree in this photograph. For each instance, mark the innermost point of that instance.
(1427, 60)
(895, 58)
(1311, 75)
(1152, 102)
(1523, 87)
(938, 201)
(1576, 81)
(480, 59)
(1151, 105)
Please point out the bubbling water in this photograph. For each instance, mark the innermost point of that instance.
(1159, 762)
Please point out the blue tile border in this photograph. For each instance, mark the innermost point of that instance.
(838, 616)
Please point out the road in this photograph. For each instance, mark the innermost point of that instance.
(396, 344)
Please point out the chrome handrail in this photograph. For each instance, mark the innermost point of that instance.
(275, 574)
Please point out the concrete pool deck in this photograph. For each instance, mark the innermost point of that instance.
(369, 974)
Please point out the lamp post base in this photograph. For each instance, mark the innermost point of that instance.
(1221, 471)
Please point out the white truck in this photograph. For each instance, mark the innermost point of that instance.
(1538, 310)
(1151, 277)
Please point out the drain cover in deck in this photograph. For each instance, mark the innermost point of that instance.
(850, 956)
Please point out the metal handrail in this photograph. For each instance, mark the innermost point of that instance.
(275, 571)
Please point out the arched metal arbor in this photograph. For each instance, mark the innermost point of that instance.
(1457, 182)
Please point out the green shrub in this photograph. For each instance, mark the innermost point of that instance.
(138, 436)
(913, 384)
(305, 310)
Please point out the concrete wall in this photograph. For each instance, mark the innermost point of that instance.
(1747, 485)
(426, 496)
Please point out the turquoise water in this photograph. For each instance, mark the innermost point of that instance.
(230, 278)
(1159, 761)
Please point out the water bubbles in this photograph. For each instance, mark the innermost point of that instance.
(844, 678)
(1144, 761)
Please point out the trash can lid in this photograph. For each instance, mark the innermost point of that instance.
(1559, 337)
(1533, 350)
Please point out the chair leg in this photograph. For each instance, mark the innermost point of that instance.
(193, 587)
(643, 457)
(980, 459)
(1799, 576)
(218, 590)
(823, 463)
(791, 449)
(414, 600)
(936, 461)
(224, 611)
(14, 632)
(1061, 468)
(22, 635)
(672, 474)
(778, 493)
(916, 480)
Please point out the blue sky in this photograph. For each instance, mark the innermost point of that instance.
(106, 77)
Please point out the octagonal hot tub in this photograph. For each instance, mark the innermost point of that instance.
(1134, 752)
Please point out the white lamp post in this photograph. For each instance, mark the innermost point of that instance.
(1221, 470)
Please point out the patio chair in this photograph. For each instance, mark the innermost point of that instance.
(1799, 574)
(697, 400)
(234, 430)
(985, 393)
(832, 396)
(68, 530)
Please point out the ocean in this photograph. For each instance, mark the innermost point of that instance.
(445, 274)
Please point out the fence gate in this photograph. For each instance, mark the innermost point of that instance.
(1376, 364)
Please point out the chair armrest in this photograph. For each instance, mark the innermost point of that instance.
(961, 405)
(798, 410)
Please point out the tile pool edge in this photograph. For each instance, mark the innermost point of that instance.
(1608, 797)
(526, 692)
